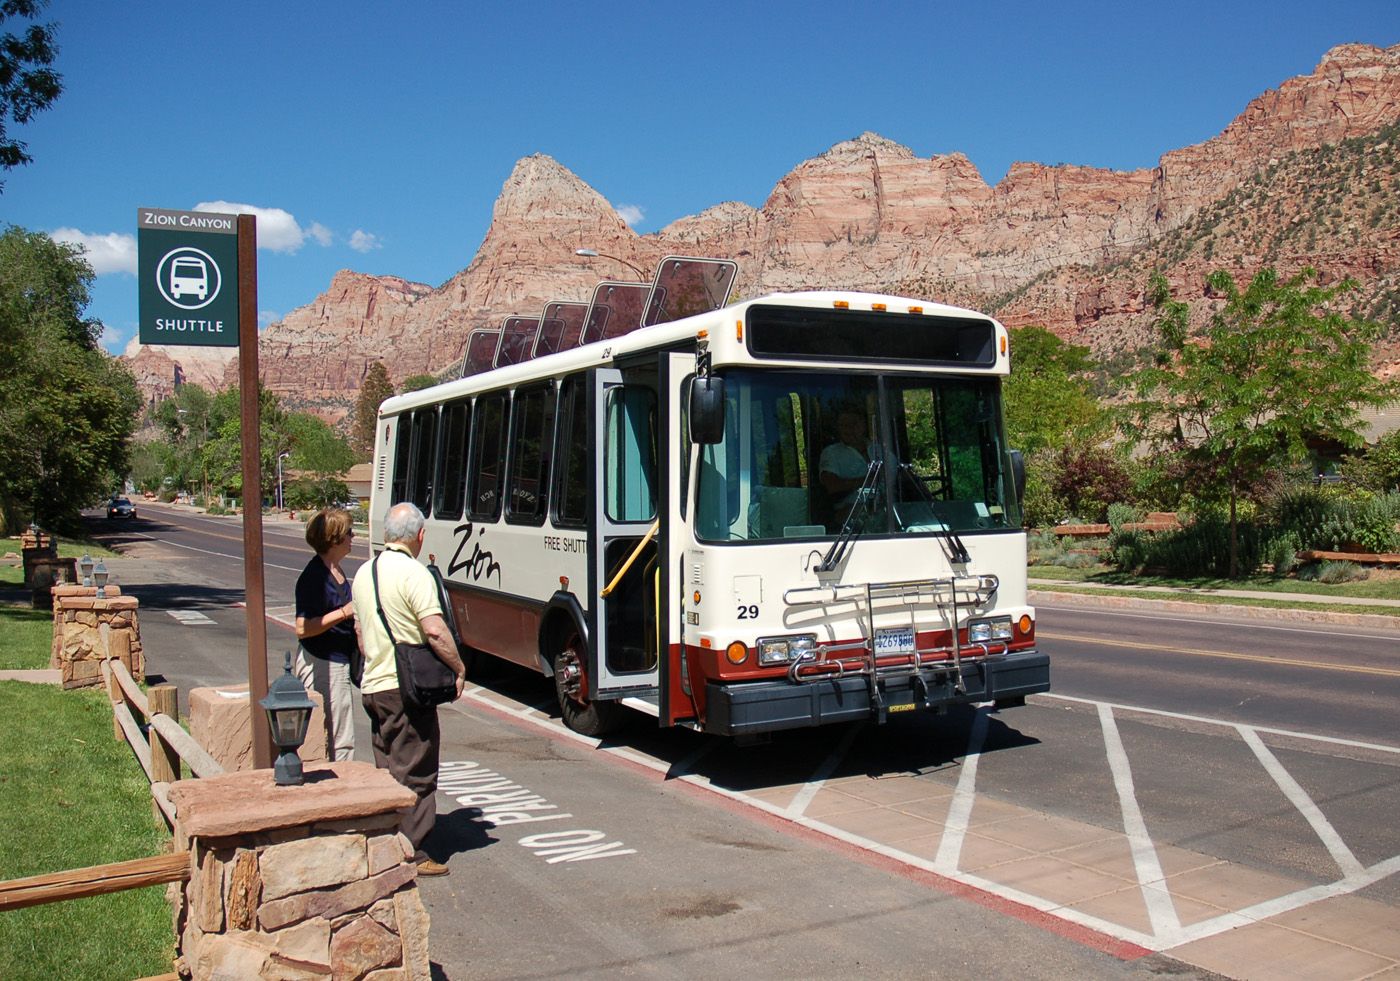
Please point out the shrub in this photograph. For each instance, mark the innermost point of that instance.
(1282, 553)
(1201, 548)
(166, 496)
(1041, 507)
(1367, 523)
(1089, 479)
(1122, 514)
(1332, 572)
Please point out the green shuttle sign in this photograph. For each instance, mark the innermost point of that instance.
(187, 263)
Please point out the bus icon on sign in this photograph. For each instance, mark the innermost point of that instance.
(188, 278)
(189, 274)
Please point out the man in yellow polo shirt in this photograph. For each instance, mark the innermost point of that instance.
(406, 739)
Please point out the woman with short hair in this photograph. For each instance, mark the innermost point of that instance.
(325, 625)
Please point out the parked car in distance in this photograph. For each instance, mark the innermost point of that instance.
(121, 507)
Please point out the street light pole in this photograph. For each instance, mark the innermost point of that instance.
(594, 254)
(280, 458)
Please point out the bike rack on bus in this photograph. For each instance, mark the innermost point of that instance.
(820, 665)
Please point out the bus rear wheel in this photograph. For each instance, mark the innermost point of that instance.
(582, 715)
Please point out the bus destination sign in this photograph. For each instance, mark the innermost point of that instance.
(187, 264)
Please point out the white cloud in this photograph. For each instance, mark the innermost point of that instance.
(362, 241)
(266, 317)
(109, 253)
(631, 213)
(278, 231)
(113, 338)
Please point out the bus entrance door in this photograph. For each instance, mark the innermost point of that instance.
(624, 653)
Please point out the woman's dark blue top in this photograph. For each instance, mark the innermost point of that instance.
(317, 594)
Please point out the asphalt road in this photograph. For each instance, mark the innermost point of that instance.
(663, 865)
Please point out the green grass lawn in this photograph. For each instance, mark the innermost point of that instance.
(72, 796)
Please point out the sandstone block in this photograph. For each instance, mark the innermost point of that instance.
(307, 944)
(312, 863)
(232, 956)
(368, 823)
(332, 903)
(361, 947)
(207, 891)
(413, 931)
(383, 913)
(386, 974)
(247, 802)
(384, 853)
(219, 723)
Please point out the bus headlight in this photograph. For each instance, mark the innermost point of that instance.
(783, 650)
(982, 631)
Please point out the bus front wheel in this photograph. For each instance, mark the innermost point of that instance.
(581, 714)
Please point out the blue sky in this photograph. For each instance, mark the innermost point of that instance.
(377, 136)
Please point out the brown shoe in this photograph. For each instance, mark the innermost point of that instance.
(428, 867)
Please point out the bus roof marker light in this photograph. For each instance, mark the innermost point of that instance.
(916, 309)
(841, 304)
(739, 331)
(879, 307)
(1003, 345)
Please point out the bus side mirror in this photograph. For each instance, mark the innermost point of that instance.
(1018, 474)
(707, 410)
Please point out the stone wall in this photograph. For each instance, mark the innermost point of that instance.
(78, 649)
(298, 882)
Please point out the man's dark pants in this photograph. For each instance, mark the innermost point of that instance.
(406, 744)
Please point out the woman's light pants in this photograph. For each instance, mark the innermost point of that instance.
(332, 680)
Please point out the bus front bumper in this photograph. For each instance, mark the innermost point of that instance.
(767, 706)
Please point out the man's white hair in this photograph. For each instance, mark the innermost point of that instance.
(403, 522)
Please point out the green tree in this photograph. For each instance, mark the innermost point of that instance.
(67, 409)
(224, 451)
(1275, 364)
(1049, 400)
(28, 84)
(373, 393)
(416, 383)
(1378, 469)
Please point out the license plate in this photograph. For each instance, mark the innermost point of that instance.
(894, 640)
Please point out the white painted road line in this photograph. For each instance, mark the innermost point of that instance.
(1307, 628)
(1161, 910)
(1310, 737)
(190, 618)
(964, 796)
(1305, 804)
(822, 773)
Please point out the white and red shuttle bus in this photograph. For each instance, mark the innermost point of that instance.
(791, 511)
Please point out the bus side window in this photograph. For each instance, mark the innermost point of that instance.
(403, 442)
(452, 473)
(421, 463)
(531, 435)
(630, 455)
(571, 492)
(487, 455)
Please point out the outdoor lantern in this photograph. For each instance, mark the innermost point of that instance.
(85, 569)
(99, 579)
(288, 713)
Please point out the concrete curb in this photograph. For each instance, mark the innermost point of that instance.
(1245, 612)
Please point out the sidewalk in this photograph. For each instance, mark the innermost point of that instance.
(1109, 595)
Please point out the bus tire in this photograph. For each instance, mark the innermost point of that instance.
(588, 717)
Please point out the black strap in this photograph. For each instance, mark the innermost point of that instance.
(374, 574)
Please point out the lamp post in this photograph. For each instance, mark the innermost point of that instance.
(288, 713)
(280, 458)
(99, 579)
(595, 254)
(85, 569)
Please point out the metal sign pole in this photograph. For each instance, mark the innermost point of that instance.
(251, 416)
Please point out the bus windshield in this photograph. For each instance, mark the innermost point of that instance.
(798, 446)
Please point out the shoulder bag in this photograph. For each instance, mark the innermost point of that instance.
(424, 680)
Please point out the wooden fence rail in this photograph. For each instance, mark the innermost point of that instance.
(93, 881)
